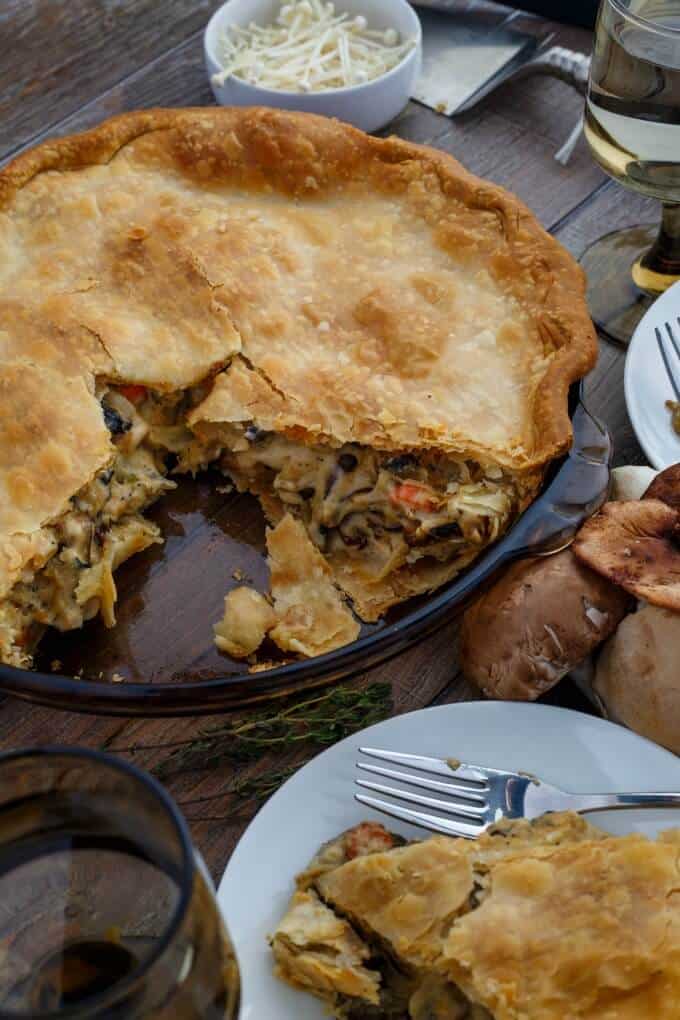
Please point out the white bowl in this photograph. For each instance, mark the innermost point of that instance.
(368, 106)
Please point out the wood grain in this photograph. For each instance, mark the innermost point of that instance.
(497, 139)
(611, 208)
(217, 819)
(61, 57)
(57, 55)
(68, 64)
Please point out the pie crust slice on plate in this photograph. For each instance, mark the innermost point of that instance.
(542, 920)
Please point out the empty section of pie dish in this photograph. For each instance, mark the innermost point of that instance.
(574, 490)
(356, 331)
(368, 105)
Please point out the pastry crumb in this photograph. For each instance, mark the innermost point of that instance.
(260, 667)
(247, 619)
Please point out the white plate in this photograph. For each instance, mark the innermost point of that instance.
(578, 752)
(647, 386)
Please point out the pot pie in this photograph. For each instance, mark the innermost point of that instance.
(543, 920)
(354, 329)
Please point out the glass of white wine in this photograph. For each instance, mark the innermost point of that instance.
(633, 128)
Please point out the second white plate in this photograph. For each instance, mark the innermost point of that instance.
(647, 386)
(575, 751)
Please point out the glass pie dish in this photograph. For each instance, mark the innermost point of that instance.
(160, 658)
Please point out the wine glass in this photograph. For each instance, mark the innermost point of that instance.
(106, 911)
(632, 124)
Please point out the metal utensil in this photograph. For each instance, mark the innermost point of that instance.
(670, 355)
(464, 59)
(476, 797)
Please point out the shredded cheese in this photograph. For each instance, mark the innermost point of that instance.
(309, 48)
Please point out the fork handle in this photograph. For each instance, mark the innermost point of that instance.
(570, 66)
(616, 801)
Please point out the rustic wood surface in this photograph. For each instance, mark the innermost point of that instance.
(66, 65)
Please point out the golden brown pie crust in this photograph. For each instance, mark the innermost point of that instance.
(550, 920)
(114, 263)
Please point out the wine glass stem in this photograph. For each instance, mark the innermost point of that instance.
(663, 258)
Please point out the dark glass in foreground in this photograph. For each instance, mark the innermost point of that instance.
(106, 912)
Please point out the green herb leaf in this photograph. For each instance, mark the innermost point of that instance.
(313, 722)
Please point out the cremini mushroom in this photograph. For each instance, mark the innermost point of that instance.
(635, 545)
(666, 487)
(539, 621)
(637, 680)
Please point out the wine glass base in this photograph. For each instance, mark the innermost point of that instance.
(616, 304)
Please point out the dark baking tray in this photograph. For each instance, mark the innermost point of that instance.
(169, 597)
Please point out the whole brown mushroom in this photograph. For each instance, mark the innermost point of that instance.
(666, 487)
(637, 680)
(539, 621)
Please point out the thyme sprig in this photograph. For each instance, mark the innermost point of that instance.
(314, 722)
(248, 788)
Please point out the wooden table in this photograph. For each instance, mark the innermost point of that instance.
(67, 64)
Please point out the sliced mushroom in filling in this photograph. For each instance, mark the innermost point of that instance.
(72, 580)
(384, 510)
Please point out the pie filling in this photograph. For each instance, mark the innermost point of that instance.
(407, 996)
(431, 1000)
(380, 510)
(72, 579)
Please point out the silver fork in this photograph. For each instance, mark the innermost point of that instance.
(670, 354)
(476, 796)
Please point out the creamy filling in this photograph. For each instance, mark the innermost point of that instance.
(406, 994)
(101, 528)
(386, 509)
(99, 531)
(432, 1000)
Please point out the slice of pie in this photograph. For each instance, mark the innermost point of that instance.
(356, 330)
(550, 920)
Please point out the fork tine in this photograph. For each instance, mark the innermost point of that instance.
(469, 793)
(666, 357)
(434, 766)
(673, 340)
(421, 819)
(450, 807)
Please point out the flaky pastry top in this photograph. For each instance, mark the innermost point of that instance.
(554, 922)
(377, 291)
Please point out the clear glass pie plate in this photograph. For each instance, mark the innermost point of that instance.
(160, 658)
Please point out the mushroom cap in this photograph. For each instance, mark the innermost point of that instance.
(630, 481)
(635, 545)
(666, 487)
(638, 675)
(542, 618)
